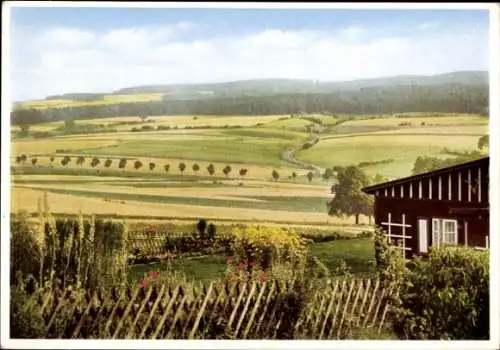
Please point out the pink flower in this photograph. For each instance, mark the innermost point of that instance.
(153, 274)
(241, 265)
(143, 283)
(253, 263)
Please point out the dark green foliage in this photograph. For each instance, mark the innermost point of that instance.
(211, 231)
(122, 164)
(108, 163)
(152, 166)
(201, 227)
(227, 170)
(425, 164)
(275, 175)
(211, 169)
(349, 198)
(137, 164)
(443, 296)
(483, 142)
(182, 167)
(443, 97)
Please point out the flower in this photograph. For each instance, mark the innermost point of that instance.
(143, 283)
(241, 265)
(229, 258)
(153, 274)
(253, 263)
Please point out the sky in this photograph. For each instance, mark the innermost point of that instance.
(63, 50)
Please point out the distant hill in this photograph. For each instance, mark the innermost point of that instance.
(266, 87)
(263, 87)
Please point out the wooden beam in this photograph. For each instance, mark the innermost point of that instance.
(440, 188)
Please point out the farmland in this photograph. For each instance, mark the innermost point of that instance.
(152, 181)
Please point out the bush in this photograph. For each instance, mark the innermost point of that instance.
(268, 245)
(448, 296)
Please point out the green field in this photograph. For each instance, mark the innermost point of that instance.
(357, 253)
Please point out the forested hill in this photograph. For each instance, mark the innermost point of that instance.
(443, 97)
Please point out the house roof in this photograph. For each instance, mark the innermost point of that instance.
(373, 188)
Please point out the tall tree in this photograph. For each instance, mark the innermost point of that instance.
(328, 174)
(152, 166)
(349, 199)
(275, 175)
(108, 163)
(182, 167)
(80, 160)
(483, 142)
(227, 170)
(243, 172)
(95, 162)
(310, 176)
(137, 164)
(33, 161)
(211, 169)
(294, 176)
(196, 168)
(122, 164)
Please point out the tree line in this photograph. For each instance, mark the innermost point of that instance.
(444, 98)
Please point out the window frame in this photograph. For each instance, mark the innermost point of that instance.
(439, 235)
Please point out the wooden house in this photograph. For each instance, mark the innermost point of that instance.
(445, 206)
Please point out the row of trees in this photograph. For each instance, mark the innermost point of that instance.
(444, 98)
(122, 164)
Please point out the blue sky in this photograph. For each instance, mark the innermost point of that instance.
(58, 50)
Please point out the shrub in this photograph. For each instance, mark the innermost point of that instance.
(446, 296)
(268, 245)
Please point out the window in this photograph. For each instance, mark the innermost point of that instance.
(444, 232)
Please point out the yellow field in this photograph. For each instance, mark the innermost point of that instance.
(26, 199)
(455, 120)
(108, 99)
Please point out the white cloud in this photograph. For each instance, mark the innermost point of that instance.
(61, 60)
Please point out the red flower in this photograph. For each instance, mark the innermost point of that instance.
(151, 229)
(229, 259)
(241, 265)
(153, 274)
(143, 283)
(253, 263)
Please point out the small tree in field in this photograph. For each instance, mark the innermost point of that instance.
(166, 167)
(33, 161)
(182, 167)
(243, 172)
(202, 228)
(152, 166)
(95, 162)
(349, 198)
(23, 158)
(122, 164)
(196, 168)
(328, 174)
(108, 163)
(211, 169)
(52, 160)
(80, 160)
(227, 170)
(65, 161)
(275, 175)
(310, 176)
(294, 176)
(137, 164)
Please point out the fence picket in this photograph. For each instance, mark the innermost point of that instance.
(233, 314)
(254, 311)
(332, 299)
(173, 298)
(127, 310)
(345, 309)
(155, 306)
(243, 313)
(371, 303)
(330, 332)
(202, 310)
(139, 312)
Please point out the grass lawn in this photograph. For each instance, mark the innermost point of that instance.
(356, 253)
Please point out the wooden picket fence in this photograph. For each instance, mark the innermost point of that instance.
(230, 310)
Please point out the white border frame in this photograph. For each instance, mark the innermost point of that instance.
(494, 109)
